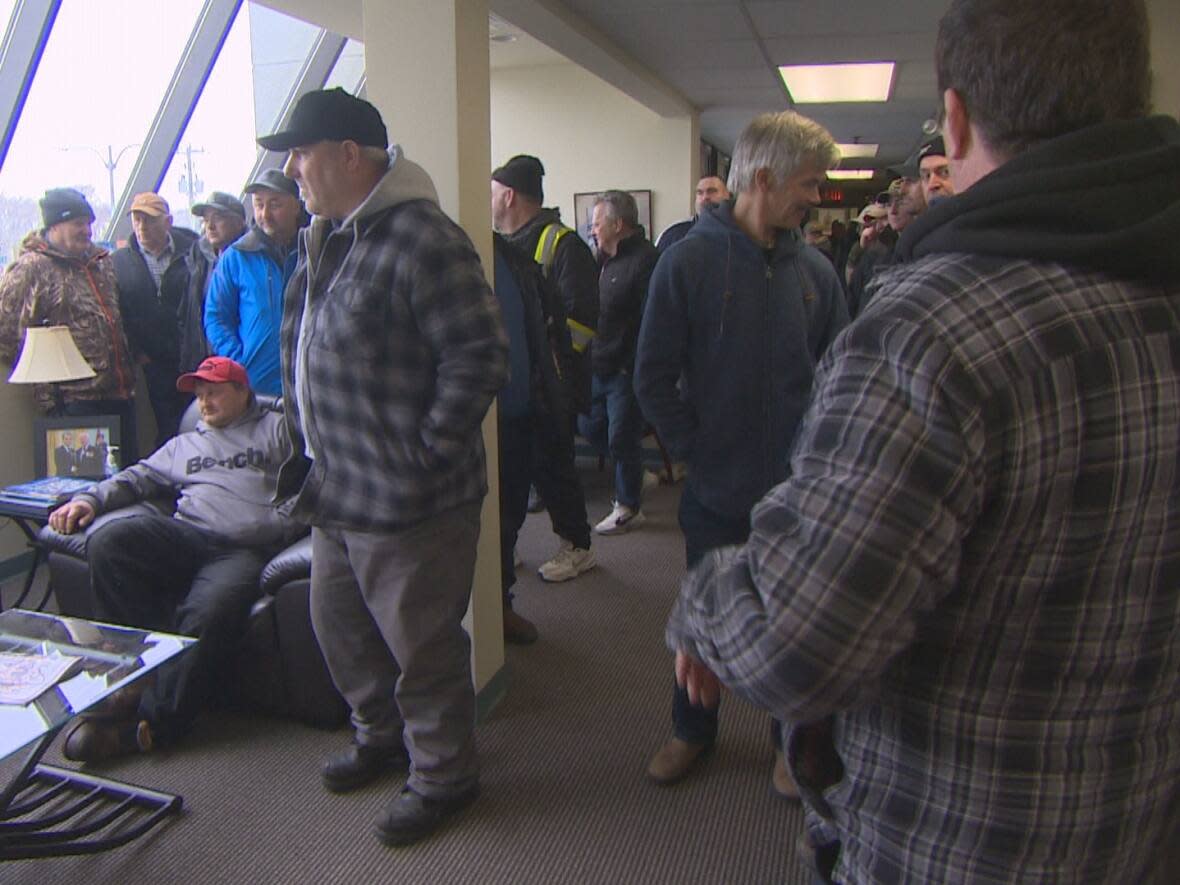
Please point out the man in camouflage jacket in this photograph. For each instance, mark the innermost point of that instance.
(61, 278)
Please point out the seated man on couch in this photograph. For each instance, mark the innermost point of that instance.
(194, 573)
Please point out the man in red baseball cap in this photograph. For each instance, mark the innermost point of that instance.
(194, 572)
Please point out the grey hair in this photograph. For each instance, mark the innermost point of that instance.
(620, 205)
(378, 156)
(782, 143)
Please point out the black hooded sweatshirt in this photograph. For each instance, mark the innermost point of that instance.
(1103, 198)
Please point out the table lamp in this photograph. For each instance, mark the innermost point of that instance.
(49, 356)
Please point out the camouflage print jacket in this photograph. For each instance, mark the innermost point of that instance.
(45, 286)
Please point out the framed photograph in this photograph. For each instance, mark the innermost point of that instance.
(584, 213)
(85, 446)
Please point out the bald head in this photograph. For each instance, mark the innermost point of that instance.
(711, 190)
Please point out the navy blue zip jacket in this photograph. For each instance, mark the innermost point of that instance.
(745, 326)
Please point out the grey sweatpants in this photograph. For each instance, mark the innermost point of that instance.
(387, 609)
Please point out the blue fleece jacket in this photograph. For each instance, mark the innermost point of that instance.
(745, 326)
(244, 307)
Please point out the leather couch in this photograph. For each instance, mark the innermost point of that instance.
(279, 669)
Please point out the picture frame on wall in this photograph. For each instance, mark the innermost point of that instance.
(584, 213)
(82, 446)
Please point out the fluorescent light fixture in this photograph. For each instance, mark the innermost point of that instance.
(813, 84)
(857, 150)
(849, 174)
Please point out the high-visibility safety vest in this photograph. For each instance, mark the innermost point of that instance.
(580, 335)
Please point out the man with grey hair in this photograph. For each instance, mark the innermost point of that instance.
(968, 586)
(615, 424)
(392, 350)
(742, 310)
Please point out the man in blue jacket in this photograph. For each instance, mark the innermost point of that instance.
(244, 304)
(743, 308)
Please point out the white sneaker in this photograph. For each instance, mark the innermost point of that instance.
(621, 519)
(567, 564)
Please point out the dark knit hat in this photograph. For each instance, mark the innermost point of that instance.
(910, 168)
(522, 173)
(64, 204)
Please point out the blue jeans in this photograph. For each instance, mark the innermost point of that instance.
(614, 426)
(706, 530)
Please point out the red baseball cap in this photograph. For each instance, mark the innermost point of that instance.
(215, 369)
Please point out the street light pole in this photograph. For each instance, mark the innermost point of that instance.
(110, 161)
(190, 182)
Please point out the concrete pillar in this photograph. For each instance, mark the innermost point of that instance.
(426, 66)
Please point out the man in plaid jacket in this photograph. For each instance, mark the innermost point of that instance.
(969, 587)
(392, 351)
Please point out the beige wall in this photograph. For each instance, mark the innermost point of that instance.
(592, 137)
(16, 435)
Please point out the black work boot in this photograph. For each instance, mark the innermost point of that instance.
(412, 816)
(360, 765)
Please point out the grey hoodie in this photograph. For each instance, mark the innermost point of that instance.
(225, 478)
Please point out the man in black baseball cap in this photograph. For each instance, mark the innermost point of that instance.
(329, 115)
(392, 351)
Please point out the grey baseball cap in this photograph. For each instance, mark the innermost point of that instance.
(273, 180)
(219, 201)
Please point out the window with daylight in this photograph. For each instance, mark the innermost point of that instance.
(101, 79)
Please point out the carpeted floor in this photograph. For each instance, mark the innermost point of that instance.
(564, 794)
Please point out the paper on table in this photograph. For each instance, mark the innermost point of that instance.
(24, 677)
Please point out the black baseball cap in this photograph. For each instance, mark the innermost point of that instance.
(329, 115)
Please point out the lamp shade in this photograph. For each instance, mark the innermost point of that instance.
(49, 355)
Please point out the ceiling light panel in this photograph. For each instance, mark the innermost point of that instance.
(852, 151)
(823, 84)
(850, 174)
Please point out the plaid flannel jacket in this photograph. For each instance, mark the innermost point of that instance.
(406, 351)
(975, 566)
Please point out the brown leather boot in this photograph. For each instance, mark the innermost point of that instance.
(96, 738)
(674, 760)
